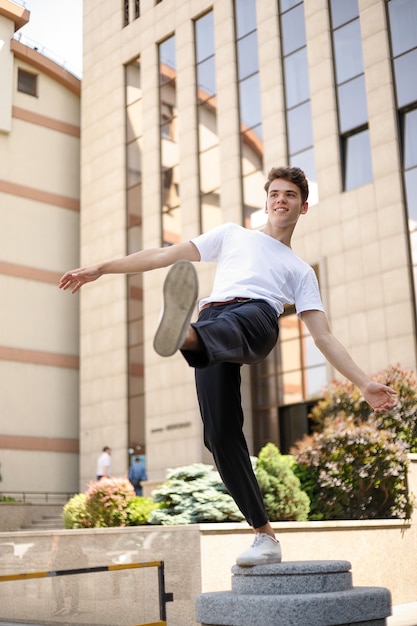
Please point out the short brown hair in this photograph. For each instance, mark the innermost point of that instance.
(293, 174)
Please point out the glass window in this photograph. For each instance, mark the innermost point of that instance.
(169, 149)
(300, 131)
(247, 55)
(250, 104)
(167, 52)
(293, 30)
(27, 82)
(343, 11)
(125, 12)
(358, 169)
(204, 37)
(348, 52)
(289, 4)
(403, 24)
(245, 17)
(297, 88)
(208, 140)
(410, 139)
(406, 78)
(413, 244)
(411, 193)
(353, 109)
(206, 79)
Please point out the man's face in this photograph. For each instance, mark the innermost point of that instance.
(284, 204)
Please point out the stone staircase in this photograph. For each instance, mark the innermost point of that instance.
(47, 522)
(295, 593)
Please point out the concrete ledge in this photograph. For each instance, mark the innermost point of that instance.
(284, 578)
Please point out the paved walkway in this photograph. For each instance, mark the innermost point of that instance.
(403, 615)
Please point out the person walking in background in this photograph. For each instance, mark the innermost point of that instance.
(104, 463)
(137, 473)
(257, 274)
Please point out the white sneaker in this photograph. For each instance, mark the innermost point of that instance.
(180, 296)
(264, 551)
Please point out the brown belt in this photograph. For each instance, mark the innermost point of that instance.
(234, 301)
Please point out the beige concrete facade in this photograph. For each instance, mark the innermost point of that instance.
(39, 238)
(358, 238)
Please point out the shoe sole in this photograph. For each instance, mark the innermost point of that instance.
(180, 296)
(254, 563)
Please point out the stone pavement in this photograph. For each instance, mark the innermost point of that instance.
(403, 615)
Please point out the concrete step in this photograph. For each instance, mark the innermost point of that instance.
(51, 522)
(300, 593)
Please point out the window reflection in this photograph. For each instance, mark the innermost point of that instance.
(297, 92)
(348, 51)
(208, 140)
(358, 168)
(169, 152)
(343, 11)
(250, 104)
(247, 55)
(405, 69)
(351, 94)
(293, 29)
(300, 131)
(296, 78)
(134, 132)
(353, 108)
(403, 23)
(250, 112)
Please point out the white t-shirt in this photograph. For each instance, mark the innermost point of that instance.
(103, 463)
(251, 264)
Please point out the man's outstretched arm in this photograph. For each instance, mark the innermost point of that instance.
(379, 397)
(135, 263)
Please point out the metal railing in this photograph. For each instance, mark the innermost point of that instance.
(37, 497)
(164, 597)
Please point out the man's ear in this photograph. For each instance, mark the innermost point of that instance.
(304, 208)
(266, 207)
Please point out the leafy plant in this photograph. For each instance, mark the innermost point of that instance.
(343, 399)
(75, 513)
(354, 471)
(193, 494)
(107, 502)
(281, 490)
(139, 510)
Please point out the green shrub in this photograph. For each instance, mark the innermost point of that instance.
(283, 497)
(139, 510)
(354, 471)
(107, 502)
(75, 514)
(193, 494)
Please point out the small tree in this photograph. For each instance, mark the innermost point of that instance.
(193, 494)
(281, 490)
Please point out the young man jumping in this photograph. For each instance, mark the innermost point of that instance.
(257, 273)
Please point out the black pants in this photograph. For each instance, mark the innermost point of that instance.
(231, 335)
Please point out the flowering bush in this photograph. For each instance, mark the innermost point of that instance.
(343, 399)
(354, 471)
(107, 501)
(283, 497)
